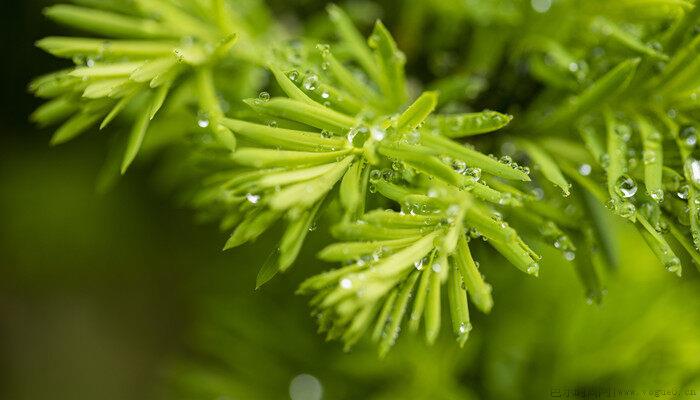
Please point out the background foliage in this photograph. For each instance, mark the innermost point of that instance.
(119, 295)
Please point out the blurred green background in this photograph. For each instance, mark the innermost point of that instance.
(123, 296)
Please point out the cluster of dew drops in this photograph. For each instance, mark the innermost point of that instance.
(627, 189)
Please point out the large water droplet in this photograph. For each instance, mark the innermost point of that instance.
(625, 186)
(311, 82)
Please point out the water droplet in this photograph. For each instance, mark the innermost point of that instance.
(357, 136)
(452, 211)
(459, 166)
(203, 119)
(537, 193)
(473, 172)
(683, 192)
(345, 283)
(313, 226)
(692, 171)
(325, 94)
(436, 267)
(569, 255)
(419, 264)
(293, 75)
(541, 6)
(325, 49)
(464, 328)
(305, 387)
(507, 147)
(626, 209)
(311, 82)
(387, 174)
(623, 132)
(649, 157)
(688, 136)
(377, 133)
(625, 187)
(584, 169)
(375, 175)
(533, 269)
(505, 198)
(657, 194)
(673, 265)
(326, 134)
(179, 56)
(412, 137)
(252, 198)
